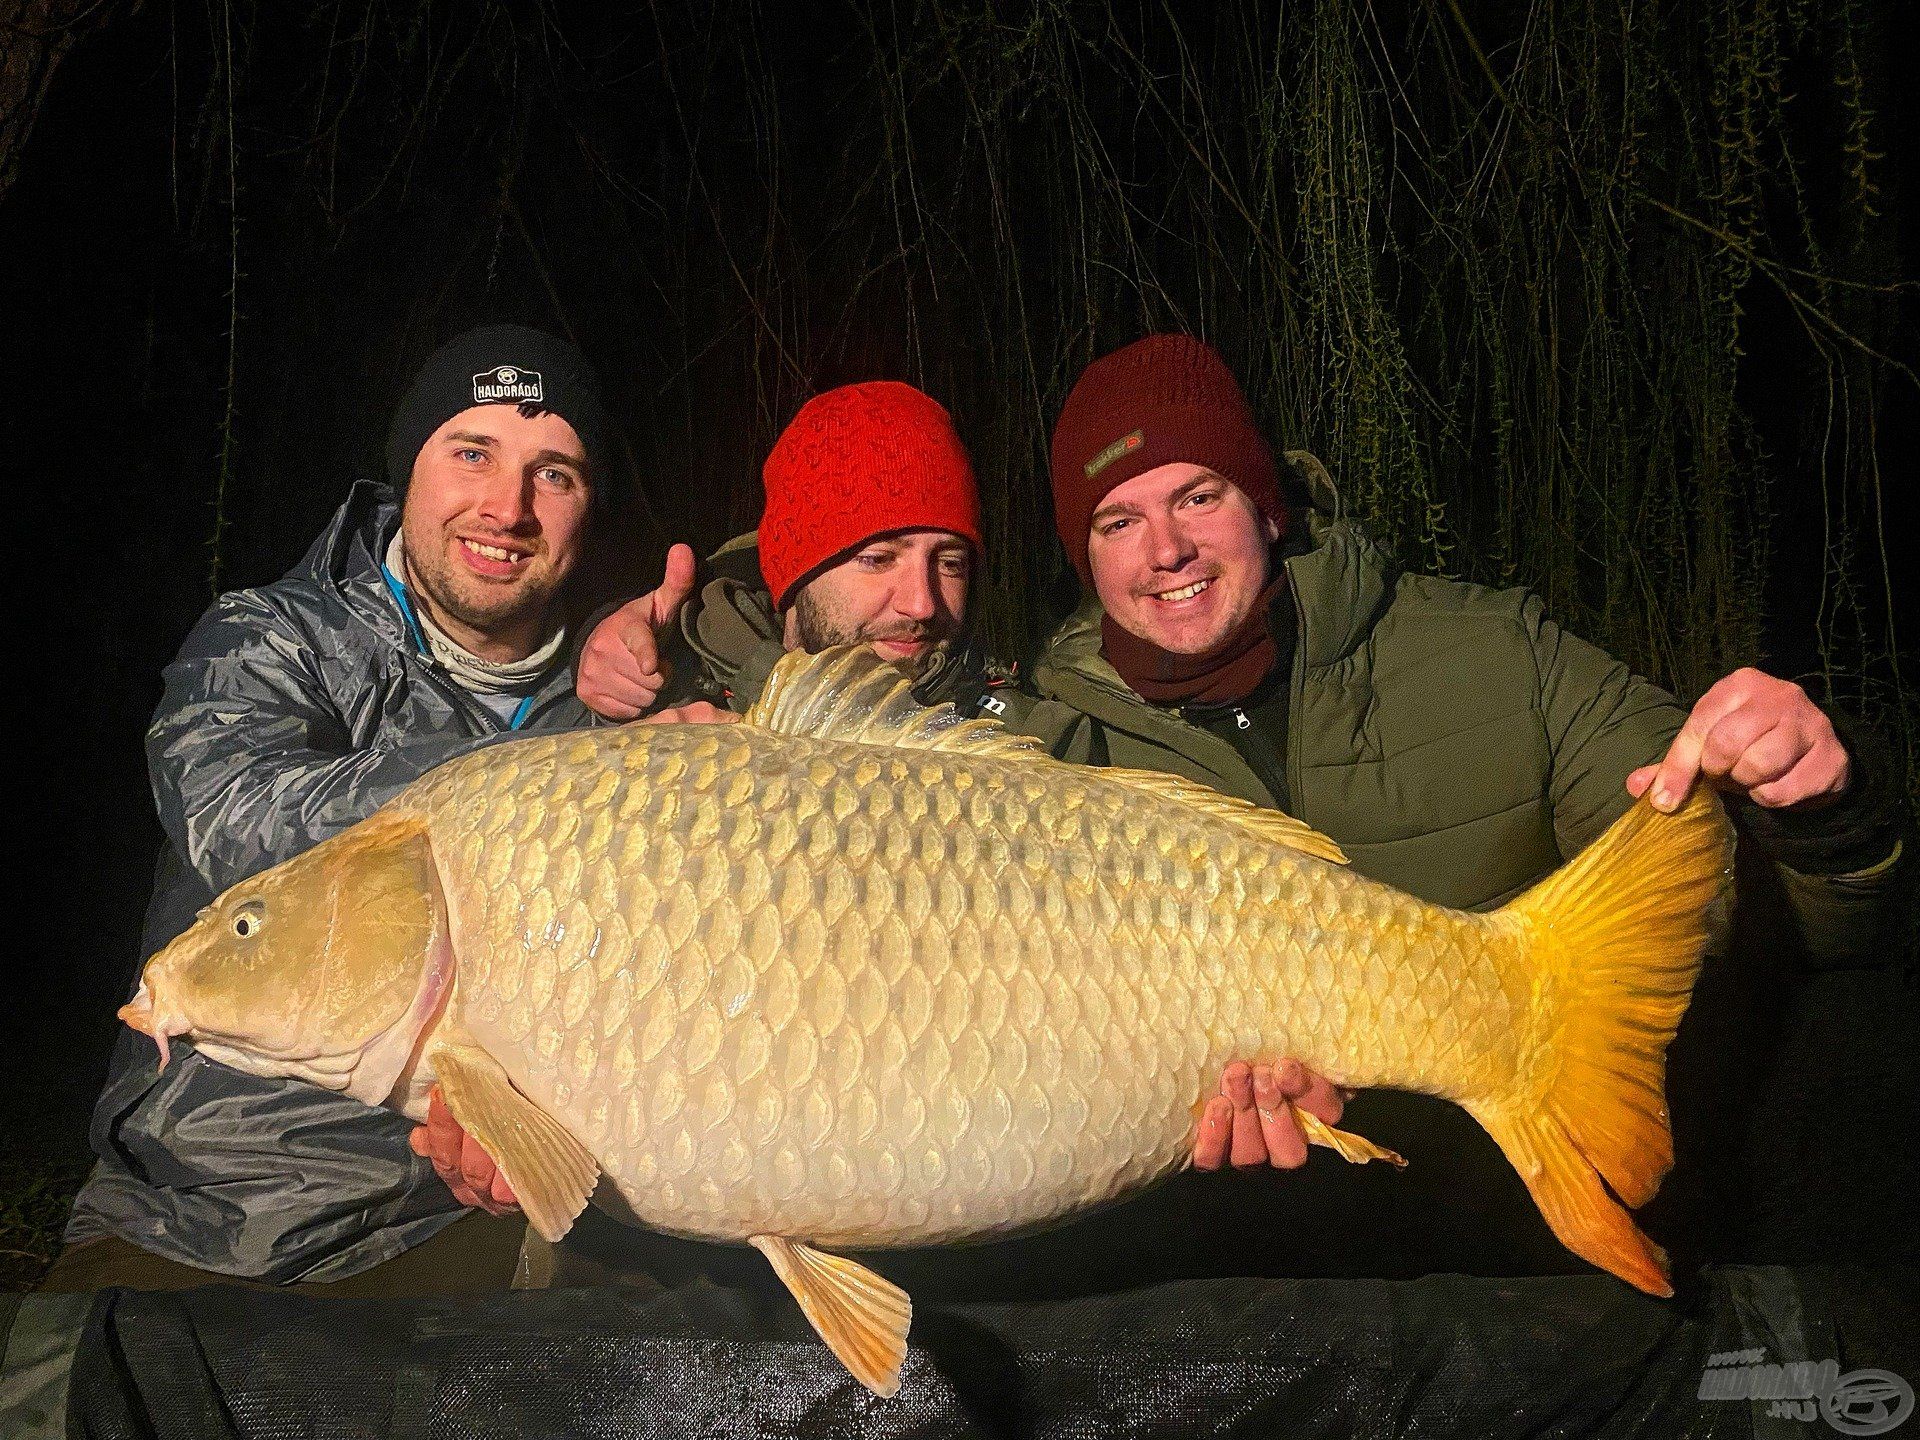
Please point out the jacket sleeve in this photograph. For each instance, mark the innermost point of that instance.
(251, 760)
(1603, 722)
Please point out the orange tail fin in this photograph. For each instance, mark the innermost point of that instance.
(1615, 939)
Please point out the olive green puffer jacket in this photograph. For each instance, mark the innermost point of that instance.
(1455, 740)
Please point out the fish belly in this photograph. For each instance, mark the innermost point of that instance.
(876, 997)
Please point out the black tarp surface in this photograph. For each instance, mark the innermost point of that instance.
(1439, 1356)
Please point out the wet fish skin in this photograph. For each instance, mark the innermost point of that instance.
(792, 986)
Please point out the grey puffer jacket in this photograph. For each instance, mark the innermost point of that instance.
(292, 711)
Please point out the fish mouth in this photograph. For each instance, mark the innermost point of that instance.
(142, 1015)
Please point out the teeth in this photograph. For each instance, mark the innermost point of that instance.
(1185, 593)
(492, 552)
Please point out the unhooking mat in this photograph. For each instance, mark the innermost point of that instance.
(1439, 1356)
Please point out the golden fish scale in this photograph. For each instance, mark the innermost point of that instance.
(877, 996)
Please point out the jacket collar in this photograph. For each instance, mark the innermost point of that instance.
(345, 558)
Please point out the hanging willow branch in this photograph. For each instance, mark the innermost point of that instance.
(1517, 273)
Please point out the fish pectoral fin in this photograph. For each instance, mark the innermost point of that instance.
(551, 1172)
(862, 1317)
(1356, 1149)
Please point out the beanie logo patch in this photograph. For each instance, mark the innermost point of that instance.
(507, 383)
(1125, 445)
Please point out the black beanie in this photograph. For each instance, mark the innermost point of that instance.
(503, 365)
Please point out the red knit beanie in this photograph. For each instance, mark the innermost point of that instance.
(1164, 400)
(856, 462)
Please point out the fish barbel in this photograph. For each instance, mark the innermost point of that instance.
(857, 973)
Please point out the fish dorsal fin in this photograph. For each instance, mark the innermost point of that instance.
(1274, 826)
(850, 693)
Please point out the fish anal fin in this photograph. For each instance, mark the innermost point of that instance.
(1354, 1149)
(551, 1173)
(862, 1317)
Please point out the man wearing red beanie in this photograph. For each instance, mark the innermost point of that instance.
(871, 534)
(1454, 740)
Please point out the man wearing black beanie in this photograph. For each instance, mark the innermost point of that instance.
(415, 630)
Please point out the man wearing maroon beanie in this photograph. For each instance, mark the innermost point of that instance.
(1454, 740)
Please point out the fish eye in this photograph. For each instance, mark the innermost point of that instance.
(247, 923)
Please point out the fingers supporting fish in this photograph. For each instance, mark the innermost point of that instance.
(1286, 1147)
(1215, 1130)
(1247, 1147)
(1311, 1092)
(460, 1161)
(1260, 1116)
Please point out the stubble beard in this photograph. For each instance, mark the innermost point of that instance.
(817, 628)
(491, 610)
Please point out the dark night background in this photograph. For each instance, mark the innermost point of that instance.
(1622, 311)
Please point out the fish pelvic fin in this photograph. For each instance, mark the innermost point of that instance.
(1614, 941)
(862, 1317)
(551, 1173)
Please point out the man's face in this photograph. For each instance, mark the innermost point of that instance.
(902, 594)
(1179, 557)
(495, 520)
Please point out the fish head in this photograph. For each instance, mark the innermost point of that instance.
(328, 968)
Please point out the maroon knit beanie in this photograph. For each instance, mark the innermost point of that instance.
(1164, 400)
(860, 461)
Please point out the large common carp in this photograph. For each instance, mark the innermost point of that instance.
(856, 973)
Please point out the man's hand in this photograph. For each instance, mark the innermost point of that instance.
(1754, 734)
(621, 669)
(469, 1172)
(694, 712)
(1250, 1122)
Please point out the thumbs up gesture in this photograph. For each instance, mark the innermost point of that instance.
(621, 669)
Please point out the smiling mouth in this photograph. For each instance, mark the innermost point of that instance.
(1185, 592)
(499, 554)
